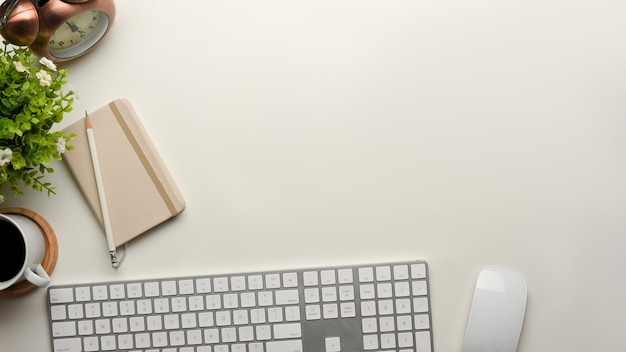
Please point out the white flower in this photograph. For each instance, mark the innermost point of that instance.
(5, 156)
(19, 66)
(61, 145)
(48, 63)
(44, 78)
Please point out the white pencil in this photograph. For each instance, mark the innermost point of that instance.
(101, 195)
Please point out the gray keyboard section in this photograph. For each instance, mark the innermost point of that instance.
(369, 307)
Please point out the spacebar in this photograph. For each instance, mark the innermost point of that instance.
(284, 346)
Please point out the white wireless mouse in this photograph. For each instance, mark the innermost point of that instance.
(497, 313)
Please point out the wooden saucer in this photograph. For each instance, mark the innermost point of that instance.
(50, 257)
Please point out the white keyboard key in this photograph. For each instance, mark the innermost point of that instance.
(231, 300)
(387, 341)
(404, 323)
(292, 313)
(383, 273)
(418, 271)
(287, 331)
(68, 345)
(119, 325)
(92, 310)
(85, 327)
(255, 282)
(284, 346)
(265, 299)
(125, 342)
(310, 278)
(274, 315)
(403, 306)
(348, 310)
(383, 290)
(332, 344)
(220, 284)
(103, 326)
(188, 320)
(400, 272)
(345, 276)
(229, 334)
(419, 288)
(58, 313)
(284, 297)
(75, 311)
(366, 274)
(327, 277)
(290, 280)
(63, 329)
(154, 323)
(368, 308)
(170, 321)
(151, 289)
(194, 337)
(177, 338)
(238, 283)
(367, 291)
(257, 316)
(137, 324)
(142, 340)
(421, 322)
(402, 289)
(422, 341)
(405, 340)
(272, 281)
(313, 312)
(311, 295)
(211, 336)
(61, 295)
(185, 287)
(346, 293)
(168, 288)
(213, 302)
(91, 344)
(83, 294)
(196, 303)
(205, 319)
(134, 290)
(248, 300)
(385, 307)
(370, 342)
(329, 294)
(100, 293)
(203, 286)
(263, 332)
(117, 291)
(420, 305)
(369, 325)
(330, 311)
(240, 317)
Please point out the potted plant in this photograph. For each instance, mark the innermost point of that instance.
(31, 102)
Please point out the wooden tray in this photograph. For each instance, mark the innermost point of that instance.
(50, 257)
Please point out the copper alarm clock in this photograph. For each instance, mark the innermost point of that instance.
(60, 30)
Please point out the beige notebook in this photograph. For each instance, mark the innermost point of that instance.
(139, 189)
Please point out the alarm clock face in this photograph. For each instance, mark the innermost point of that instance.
(78, 34)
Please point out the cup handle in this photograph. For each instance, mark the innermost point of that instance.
(36, 275)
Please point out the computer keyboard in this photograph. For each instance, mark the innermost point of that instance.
(374, 307)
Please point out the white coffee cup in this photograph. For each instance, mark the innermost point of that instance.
(23, 249)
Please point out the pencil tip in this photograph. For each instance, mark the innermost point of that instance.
(88, 122)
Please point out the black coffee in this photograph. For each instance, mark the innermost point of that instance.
(13, 250)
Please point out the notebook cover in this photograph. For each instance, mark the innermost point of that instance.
(139, 189)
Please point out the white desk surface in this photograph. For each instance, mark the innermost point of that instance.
(313, 133)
